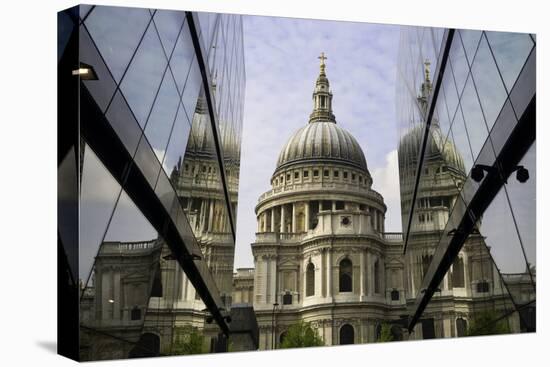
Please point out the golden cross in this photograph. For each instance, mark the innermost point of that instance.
(322, 58)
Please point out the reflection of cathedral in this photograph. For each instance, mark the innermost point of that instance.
(322, 254)
(140, 291)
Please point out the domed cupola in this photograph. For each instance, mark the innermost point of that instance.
(438, 148)
(322, 140)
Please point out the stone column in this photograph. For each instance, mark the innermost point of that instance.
(467, 283)
(382, 277)
(211, 215)
(306, 217)
(293, 217)
(264, 286)
(273, 219)
(370, 273)
(411, 274)
(264, 229)
(362, 274)
(283, 212)
(202, 215)
(273, 280)
(117, 295)
(497, 284)
(375, 218)
(329, 273)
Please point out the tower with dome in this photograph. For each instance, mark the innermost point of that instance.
(321, 252)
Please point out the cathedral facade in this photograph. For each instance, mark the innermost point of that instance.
(322, 254)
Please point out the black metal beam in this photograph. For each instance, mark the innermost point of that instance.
(517, 144)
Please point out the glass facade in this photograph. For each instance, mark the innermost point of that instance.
(151, 111)
(467, 167)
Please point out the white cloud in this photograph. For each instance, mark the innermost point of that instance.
(386, 182)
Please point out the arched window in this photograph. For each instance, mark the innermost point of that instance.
(483, 286)
(310, 280)
(377, 276)
(396, 332)
(378, 331)
(282, 337)
(287, 298)
(458, 273)
(395, 295)
(461, 327)
(135, 314)
(148, 345)
(347, 334)
(346, 275)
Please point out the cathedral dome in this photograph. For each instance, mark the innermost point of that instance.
(322, 141)
(437, 148)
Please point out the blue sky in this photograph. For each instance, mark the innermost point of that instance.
(281, 69)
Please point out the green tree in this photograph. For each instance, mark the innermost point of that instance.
(302, 335)
(488, 323)
(385, 333)
(187, 340)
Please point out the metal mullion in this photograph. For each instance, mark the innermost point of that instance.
(448, 39)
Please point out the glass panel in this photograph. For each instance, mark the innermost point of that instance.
(178, 143)
(84, 9)
(162, 116)
(459, 63)
(522, 196)
(191, 90)
(117, 32)
(128, 223)
(461, 142)
(443, 116)
(450, 94)
(98, 195)
(470, 40)
(126, 274)
(475, 123)
(207, 22)
(502, 129)
(147, 162)
(510, 51)
(525, 87)
(103, 88)
(182, 57)
(488, 83)
(65, 26)
(501, 237)
(166, 193)
(124, 123)
(168, 23)
(141, 83)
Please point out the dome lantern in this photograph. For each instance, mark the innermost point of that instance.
(322, 97)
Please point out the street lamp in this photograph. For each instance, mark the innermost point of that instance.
(273, 326)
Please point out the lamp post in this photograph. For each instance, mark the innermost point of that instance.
(273, 326)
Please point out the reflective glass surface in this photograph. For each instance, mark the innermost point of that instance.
(473, 118)
(117, 32)
(141, 83)
(149, 91)
(488, 83)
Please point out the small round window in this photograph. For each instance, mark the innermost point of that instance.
(346, 221)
